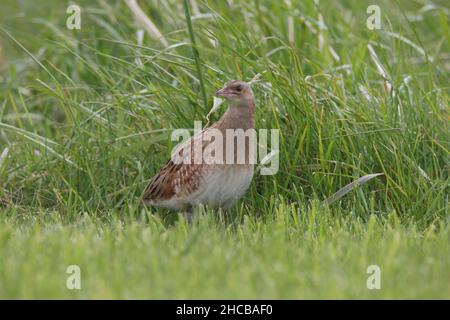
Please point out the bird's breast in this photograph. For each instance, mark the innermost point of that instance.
(223, 185)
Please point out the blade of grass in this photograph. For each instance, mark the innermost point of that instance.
(349, 187)
(195, 52)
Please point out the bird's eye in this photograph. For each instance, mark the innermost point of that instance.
(239, 88)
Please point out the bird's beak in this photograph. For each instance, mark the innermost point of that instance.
(222, 92)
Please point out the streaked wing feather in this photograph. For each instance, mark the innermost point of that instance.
(175, 179)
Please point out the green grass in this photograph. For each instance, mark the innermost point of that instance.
(295, 253)
(83, 128)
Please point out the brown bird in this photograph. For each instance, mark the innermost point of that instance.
(204, 169)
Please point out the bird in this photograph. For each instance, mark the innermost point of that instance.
(184, 183)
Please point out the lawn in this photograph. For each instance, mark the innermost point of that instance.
(86, 117)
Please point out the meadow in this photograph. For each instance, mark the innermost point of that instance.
(86, 117)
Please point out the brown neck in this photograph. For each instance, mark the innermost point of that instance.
(238, 116)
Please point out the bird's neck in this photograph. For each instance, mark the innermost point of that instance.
(239, 116)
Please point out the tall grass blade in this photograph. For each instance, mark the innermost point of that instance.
(351, 186)
(3, 157)
(143, 19)
(195, 52)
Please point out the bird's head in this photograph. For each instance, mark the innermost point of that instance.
(236, 91)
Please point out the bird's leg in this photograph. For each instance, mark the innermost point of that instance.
(188, 213)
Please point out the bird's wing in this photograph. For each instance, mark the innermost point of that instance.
(178, 177)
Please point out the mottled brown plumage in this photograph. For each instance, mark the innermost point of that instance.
(182, 183)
